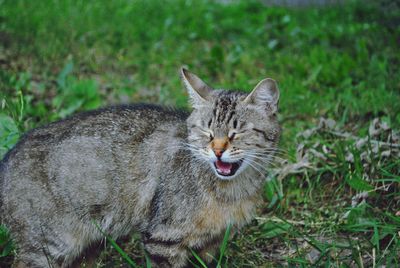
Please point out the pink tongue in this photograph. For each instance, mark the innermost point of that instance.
(224, 168)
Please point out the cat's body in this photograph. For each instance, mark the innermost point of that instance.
(136, 168)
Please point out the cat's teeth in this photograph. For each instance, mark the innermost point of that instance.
(223, 167)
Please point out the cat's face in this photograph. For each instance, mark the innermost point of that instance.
(232, 131)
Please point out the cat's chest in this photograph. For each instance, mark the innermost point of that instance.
(214, 217)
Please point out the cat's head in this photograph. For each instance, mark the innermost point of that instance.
(232, 131)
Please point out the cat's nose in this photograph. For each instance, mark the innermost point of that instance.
(218, 152)
(219, 146)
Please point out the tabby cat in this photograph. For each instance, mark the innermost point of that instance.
(178, 179)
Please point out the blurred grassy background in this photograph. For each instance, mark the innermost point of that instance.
(339, 61)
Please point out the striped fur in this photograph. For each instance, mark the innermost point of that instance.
(144, 168)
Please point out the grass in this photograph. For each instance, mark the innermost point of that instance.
(338, 62)
(114, 244)
(221, 261)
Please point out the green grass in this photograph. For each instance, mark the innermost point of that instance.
(221, 261)
(114, 244)
(339, 62)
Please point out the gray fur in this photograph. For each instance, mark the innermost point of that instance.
(141, 167)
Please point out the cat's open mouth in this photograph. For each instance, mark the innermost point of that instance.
(227, 169)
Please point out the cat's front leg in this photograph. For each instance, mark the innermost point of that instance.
(165, 252)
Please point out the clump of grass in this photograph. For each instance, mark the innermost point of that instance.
(114, 244)
(222, 252)
(6, 246)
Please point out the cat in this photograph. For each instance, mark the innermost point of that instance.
(178, 179)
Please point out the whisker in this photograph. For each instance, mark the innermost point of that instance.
(275, 149)
(267, 162)
(264, 156)
(271, 152)
(250, 164)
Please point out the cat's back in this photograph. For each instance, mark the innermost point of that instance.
(125, 123)
(82, 152)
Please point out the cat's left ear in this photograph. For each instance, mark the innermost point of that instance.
(265, 95)
(198, 90)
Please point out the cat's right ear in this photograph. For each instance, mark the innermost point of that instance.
(197, 89)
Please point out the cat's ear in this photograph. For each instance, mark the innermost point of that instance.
(265, 94)
(197, 89)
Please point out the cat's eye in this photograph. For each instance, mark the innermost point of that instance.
(211, 137)
(232, 136)
(235, 123)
